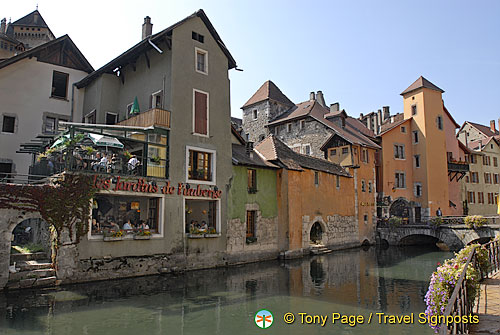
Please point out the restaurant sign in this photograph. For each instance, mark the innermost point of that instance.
(143, 186)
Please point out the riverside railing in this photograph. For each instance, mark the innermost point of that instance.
(458, 304)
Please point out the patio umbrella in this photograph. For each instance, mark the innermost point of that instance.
(135, 107)
(60, 141)
(105, 141)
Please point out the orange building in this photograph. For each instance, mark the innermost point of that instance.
(315, 200)
(421, 159)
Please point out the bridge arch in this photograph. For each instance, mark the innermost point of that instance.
(418, 239)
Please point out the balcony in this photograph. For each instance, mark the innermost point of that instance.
(152, 117)
(457, 169)
(106, 149)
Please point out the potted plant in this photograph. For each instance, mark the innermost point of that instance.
(127, 154)
(212, 232)
(113, 236)
(155, 159)
(143, 235)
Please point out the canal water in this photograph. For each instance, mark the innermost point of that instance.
(356, 282)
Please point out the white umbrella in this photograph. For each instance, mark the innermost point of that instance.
(105, 141)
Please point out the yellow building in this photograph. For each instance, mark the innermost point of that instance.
(421, 160)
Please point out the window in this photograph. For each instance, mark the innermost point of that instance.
(363, 186)
(8, 124)
(439, 122)
(480, 197)
(491, 199)
(302, 124)
(252, 180)
(200, 212)
(370, 189)
(486, 160)
(200, 111)
(251, 220)
(254, 114)
(111, 118)
(466, 179)
(399, 151)
(365, 218)
(418, 189)
(50, 125)
(474, 177)
(110, 213)
(364, 155)
(345, 151)
(306, 149)
(337, 177)
(400, 180)
(496, 179)
(487, 178)
(316, 178)
(413, 109)
(201, 165)
(91, 117)
(495, 161)
(417, 161)
(496, 198)
(471, 197)
(473, 159)
(403, 129)
(415, 136)
(197, 37)
(59, 85)
(288, 127)
(201, 59)
(333, 152)
(157, 100)
(5, 171)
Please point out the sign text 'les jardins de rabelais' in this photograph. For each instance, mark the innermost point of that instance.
(142, 186)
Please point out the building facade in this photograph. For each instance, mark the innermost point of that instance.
(48, 73)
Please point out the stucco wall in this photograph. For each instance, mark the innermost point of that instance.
(25, 90)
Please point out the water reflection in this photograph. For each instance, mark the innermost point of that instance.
(224, 301)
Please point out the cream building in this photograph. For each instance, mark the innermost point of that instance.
(36, 91)
(481, 186)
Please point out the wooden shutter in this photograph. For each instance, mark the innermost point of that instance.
(200, 113)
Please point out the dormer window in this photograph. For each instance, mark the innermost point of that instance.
(198, 37)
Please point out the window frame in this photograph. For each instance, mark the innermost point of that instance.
(194, 113)
(316, 178)
(88, 115)
(397, 180)
(205, 53)
(158, 93)
(439, 122)
(253, 226)
(106, 118)
(213, 165)
(251, 181)
(52, 86)
(416, 159)
(218, 221)
(14, 126)
(413, 109)
(399, 154)
(415, 137)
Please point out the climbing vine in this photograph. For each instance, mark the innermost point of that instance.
(64, 204)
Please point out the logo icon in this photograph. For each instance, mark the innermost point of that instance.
(263, 319)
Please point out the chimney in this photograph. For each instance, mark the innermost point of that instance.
(334, 107)
(147, 27)
(249, 149)
(361, 116)
(3, 26)
(320, 98)
(499, 124)
(387, 114)
(492, 126)
(312, 96)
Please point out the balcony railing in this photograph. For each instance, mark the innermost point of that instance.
(152, 117)
(458, 166)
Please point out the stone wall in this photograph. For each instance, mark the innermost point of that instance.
(339, 232)
(314, 133)
(266, 246)
(266, 112)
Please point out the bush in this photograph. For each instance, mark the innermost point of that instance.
(437, 221)
(395, 221)
(475, 221)
(445, 278)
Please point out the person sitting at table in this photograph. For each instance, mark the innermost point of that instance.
(143, 225)
(133, 162)
(95, 226)
(128, 225)
(97, 162)
(114, 226)
(204, 226)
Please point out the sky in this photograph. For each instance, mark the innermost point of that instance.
(362, 54)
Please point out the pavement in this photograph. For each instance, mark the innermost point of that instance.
(489, 307)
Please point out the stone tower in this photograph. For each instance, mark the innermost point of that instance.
(265, 105)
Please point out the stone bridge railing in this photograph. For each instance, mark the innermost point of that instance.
(454, 236)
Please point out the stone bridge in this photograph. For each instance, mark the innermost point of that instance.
(454, 236)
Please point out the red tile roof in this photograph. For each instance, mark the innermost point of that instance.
(268, 90)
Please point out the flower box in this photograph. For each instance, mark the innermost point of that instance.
(195, 235)
(212, 235)
(142, 237)
(112, 238)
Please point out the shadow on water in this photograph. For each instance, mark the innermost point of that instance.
(393, 281)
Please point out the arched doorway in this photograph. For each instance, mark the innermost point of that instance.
(316, 233)
(400, 208)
